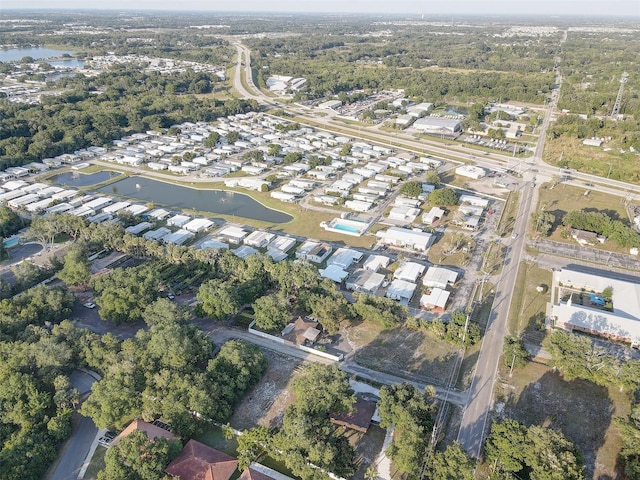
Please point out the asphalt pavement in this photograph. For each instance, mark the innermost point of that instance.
(75, 449)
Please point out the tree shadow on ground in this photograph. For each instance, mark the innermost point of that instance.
(578, 408)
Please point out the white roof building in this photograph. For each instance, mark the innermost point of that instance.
(344, 257)
(179, 237)
(233, 234)
(437, 125)
(159, 213)
(376, 262)
(178, 220)
(139, 228)
(365, 281)
(474, 200)
(409, 271)
(314, 251)
(258, 239)
(434, 215)
(198, 225)
(471, 171)
(244, 251)
(622, 323)
(284, 244)
(358, 205)
(213, 243)
(436, 299)
(403, 237)
(334, 272)
(404, 214)
(113, 208)
(401, 290)
(439, 277)
(157, 234)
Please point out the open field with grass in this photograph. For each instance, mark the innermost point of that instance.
(415, 354)
(440, 253)
(582, 410)
(564, 198)
(508, 219)
(527, 312)
(593, 160)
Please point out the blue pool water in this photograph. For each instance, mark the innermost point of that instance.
(345, 228)
(11, 242)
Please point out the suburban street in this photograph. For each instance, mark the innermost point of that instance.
(75, 449)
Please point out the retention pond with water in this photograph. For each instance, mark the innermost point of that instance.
(221, 202)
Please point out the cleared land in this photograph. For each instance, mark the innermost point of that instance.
(580, 409)
(413, 354)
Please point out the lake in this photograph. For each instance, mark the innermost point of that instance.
(212, 201)
(39, 53)
(76, 179)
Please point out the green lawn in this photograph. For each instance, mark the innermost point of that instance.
(527, 311)
(96, 464)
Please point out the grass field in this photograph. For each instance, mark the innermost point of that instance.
(508, 218)
(527, 312)
(563, 198)
(593, 160)
(582, 410)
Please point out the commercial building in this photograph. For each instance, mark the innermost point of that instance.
(437, 125)
(579, 303)
(471, 171)
(406, 238)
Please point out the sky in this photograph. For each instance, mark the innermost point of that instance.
(417, 7)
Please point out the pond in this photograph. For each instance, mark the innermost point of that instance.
(38, 53)
(76, 179)
(212, 201)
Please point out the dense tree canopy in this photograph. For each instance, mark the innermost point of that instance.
(123, 294)
(410, 412)
(536, 453)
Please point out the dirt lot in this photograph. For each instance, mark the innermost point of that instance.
(266, 403)
(582, 410)
(409, 353)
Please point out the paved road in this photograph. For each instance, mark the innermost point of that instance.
(75, 449)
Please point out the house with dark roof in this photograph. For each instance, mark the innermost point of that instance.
(260, 472)
(198, 461)
(302, 331)
(359, 418)
(151, 430)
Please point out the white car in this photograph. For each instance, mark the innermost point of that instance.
(89, 305)
(514, 235)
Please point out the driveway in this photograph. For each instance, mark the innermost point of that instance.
(75, 449)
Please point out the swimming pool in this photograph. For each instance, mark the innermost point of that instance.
(11, 242)
(347, 227)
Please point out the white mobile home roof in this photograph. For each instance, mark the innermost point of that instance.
(333, 272)
(344, 257)
(157, 234)
(409, 271)
(10, 195)
(159, 213)
(101, 217)
(233, 233)
(258, 238)
(283, 244)
(178, 220)
(178, 238)
(116, 207)
(244, 251)
(198, 225)
(136, 209)
(99, 203)
(437, 298)
(49, 191)
(401, 290)
(41, 205)
(14, 184)
(213, 243)
(376, 262)
(404, 237)
(60, 208)
(439, 277)
(23, 200)
(139, 228)
(65, 194)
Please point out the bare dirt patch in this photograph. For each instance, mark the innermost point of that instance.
(266, 403)
(412, 354)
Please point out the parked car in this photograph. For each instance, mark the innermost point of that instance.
(89, 305)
